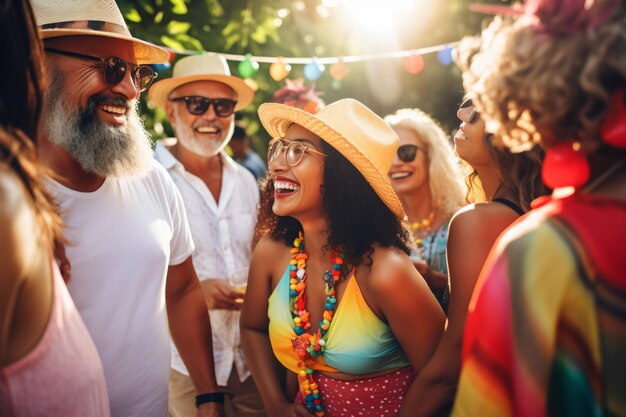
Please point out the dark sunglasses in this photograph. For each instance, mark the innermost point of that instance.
(407, 153)
(115, 69)
(474, 114)
(294, 151)
(198, 105)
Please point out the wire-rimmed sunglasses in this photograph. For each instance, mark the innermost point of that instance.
(198, 105)
(115, 69)
(294, 151)
(474, 114)
(408, 152)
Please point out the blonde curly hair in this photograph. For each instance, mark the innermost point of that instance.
(551, 76)
(444, 173)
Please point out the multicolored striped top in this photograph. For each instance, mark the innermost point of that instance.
(357, 341)
(546, 330)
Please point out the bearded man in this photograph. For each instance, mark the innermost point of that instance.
(129, 242)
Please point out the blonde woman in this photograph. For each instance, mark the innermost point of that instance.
(426, 176)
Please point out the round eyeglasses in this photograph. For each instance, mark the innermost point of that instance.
(115, 69)
(294, 151)
(198, 105)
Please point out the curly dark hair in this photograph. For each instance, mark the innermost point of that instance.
(357, 217)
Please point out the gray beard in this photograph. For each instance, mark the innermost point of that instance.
(99, 148)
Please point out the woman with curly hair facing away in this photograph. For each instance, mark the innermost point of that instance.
(331, 281)
(426, 176)
(556, 281)
(48, 362)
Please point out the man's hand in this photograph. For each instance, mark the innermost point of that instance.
(220, 295)
(210, 410)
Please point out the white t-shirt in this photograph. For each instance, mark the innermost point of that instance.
(223, 236)
(122, 238)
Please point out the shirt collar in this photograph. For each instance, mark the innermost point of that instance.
(169, 161)
(164, 156)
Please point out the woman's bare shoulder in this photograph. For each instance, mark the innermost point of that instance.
(390, 267)
(481, 217)
(18, 226)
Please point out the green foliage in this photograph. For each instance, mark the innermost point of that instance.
(249, 27)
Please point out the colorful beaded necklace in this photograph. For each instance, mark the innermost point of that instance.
(421, 230)
(308, 346)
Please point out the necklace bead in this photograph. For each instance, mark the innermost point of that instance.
(309, 346)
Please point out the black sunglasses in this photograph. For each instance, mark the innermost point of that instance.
(407, 153)
(198, 105)
(474, 114)
(115, 69)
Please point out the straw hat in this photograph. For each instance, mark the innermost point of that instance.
(353, 130)
(205, 67)
(57, 18)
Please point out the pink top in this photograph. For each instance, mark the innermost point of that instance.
(62, 375)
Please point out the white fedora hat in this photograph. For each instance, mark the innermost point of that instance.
(57, 18)
(351, 128)
(204, 67)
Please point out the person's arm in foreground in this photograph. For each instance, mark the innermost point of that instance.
(254, 332)
(191, 331)
(472, 234)
(409, 307)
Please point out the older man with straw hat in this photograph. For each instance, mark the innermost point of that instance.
(129, 240)
(221, 198)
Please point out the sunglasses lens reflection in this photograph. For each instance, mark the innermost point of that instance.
(223, 107)
(143, 77)
(115, 70)
(407, 153)
(197, 105)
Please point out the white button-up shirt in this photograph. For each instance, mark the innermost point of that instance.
(223, 236)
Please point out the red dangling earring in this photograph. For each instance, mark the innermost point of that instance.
(565, 166)
(613, 128)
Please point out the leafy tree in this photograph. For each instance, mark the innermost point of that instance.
(252, 27)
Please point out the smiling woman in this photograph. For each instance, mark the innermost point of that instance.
(333, 251)
(427, 178)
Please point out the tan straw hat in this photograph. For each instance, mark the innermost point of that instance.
(353, 130)
(205, 67)
(57, 18)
